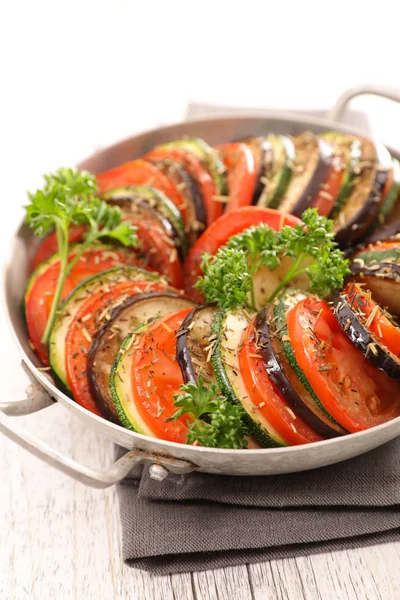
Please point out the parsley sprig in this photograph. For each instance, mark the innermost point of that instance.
(69, 198)
(228, 276)
(216, 423)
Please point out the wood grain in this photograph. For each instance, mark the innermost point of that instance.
(60, 540)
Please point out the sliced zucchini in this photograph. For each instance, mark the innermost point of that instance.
(280, 173)
(392, 196)
(138, 310)
(194, 344)
(137, 198)
(284, 370)
(366, 196)
(74, 301)
(228, 328)
(266, 281)
(313, 161)
(376, 255)
(348, 149)
(261, 149)
(353, 323)
(207, 155)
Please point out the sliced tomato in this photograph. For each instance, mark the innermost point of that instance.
(328, 194)
(379, 324)
(49, 244)
(140, 172)
(241, 174)
(355, 392)
(41, 288)
(90, 317)
(378, 246)
(218, 234)
(200, 174)
(156, 377)
(266, 397)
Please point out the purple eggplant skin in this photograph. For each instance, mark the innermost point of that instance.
(319, 177)
(390, 231)
(362, 338)
(100, 343)
(183, 357)
(279, 378)
(383, 281)
(353, 229)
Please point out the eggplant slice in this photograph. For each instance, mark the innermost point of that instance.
(137, 310)
(194, 344)
(351, 323)
(364, 201)
(390, 231)
(382, 279)
(311, 169)
(287, 381)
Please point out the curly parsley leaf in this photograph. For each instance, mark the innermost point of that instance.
(228, 276)
(68, 198)
(215, 422)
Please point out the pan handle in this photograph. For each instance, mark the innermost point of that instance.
(38, 399)
(336, 112)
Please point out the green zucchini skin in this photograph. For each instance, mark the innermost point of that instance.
(376, 256)
(283, 147)
(262, 437)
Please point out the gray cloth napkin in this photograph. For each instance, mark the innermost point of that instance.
(201, 521)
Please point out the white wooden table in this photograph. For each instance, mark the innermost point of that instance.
(81, 74)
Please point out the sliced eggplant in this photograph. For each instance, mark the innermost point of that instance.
(189, 188)
(389, 231)
(313, 162)
(382, 280)
(352, 324)
(147, 202)
(282, 368)
(205, 154)
(279, 170)
(366, 197)
(135, 311)
(74, 301)
(195, 343)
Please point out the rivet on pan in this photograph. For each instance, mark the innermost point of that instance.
(158, 472)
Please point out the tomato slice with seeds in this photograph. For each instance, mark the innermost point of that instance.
(218, 234)
(154, 362)
(242, 174)
(379, 324)
(139, 172)
(266, 397)
(49, 244)
(355, 392)
(199, 173)
(42, 286)
(88, 320)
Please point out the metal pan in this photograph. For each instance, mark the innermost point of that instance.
(168, 456)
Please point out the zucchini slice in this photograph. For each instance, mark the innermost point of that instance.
(139, 200)
(392, 196)
(206, 155)
(367, 342)
(194, 344)
(311, 168)
(278, 176)
(284, 370)
(375, 254)
(74, 301)
(138, 310)
(228, 328)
